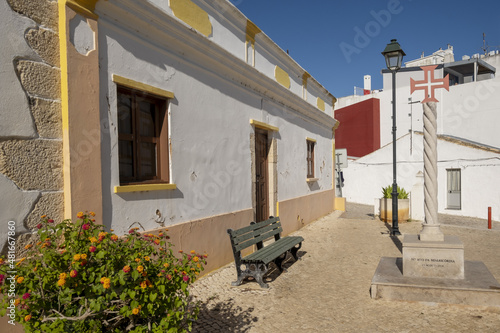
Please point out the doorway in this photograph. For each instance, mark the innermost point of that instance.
(454, 189)
(261, 175)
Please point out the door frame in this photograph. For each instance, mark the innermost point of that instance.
(272, 172)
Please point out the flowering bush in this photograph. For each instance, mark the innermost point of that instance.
(79, 278)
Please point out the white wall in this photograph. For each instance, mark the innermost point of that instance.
(209, 121)
(365, 177)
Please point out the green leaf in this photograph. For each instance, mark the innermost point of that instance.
(100, 255)
(161, 288)
(152, 297)
(131, 293)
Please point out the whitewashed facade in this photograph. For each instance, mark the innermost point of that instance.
(210, 81)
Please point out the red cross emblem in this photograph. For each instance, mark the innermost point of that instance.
(429, 84)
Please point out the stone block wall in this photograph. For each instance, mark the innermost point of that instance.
(31, 175)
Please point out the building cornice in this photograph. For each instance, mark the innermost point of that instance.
(146, 20)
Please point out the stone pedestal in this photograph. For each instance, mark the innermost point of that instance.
(433, 259)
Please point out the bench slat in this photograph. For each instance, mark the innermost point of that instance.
(254, 226)
(255, 240)
(274, 250)
(242, 238)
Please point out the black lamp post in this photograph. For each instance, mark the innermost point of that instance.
(393, 57)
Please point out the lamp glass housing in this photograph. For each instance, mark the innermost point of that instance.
(393, 55)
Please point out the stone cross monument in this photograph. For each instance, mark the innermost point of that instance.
(431, 254)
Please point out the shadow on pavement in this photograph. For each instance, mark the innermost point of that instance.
(273, 273)
(395, 239)
(223, 317)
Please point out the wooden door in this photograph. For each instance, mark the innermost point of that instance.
(261, 173)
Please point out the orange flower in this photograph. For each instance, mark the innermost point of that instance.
(28, 246)
(20, 279)
(135, 311)
(193, 251)
(137, 260)
(144, 284)
(73, 273)
(92, 214)
(114, 238)
(83, 256)
(92, 239)
(77, 257)
(27, 318)
(62, 276)
(166, 265)
(79, 215)
(196, 259)
(17, 301)
(147, 258)
(61, 282)
(106, 282)
(126, 269)
(140, 268)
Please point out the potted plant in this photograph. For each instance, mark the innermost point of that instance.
(386, 204)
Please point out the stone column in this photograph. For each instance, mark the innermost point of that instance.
(431, 230)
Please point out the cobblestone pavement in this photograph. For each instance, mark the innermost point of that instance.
(327, 290)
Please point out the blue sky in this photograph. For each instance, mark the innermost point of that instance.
(338, 42)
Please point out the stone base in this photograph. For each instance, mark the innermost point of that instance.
(433, 259)
(478, 287)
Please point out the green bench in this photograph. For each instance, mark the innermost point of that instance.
(256, 263)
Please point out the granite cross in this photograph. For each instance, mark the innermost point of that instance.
(431, 230)
(429, 84)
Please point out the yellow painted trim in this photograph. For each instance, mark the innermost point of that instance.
(143, 188)
(312, 140)
(277, 209)
(84, 7)
(334, 175)
(305, 77)
(309, 180)
(282, 77)
(262, 125)
(334, 100)
(192, 15)
(63, 65)
(339, 204)
(142, 86)
(252, 31)
(321, 104)
(336, 125)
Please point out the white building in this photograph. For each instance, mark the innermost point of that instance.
(468, 114)
(171, 114)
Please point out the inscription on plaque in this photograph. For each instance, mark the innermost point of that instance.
(431, 262)
(433, 259)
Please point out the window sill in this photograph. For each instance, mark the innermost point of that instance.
(145, 187)
(310, 180)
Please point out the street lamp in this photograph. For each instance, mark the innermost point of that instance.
(393, 58)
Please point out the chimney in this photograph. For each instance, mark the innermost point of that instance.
(368, 82)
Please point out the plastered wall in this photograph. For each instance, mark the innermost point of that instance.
(30, 132)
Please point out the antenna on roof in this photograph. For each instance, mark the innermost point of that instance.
(485, 47)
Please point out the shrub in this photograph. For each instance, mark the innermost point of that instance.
(387, 192)
(79, 278)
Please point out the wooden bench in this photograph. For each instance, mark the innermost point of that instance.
(256, 264)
